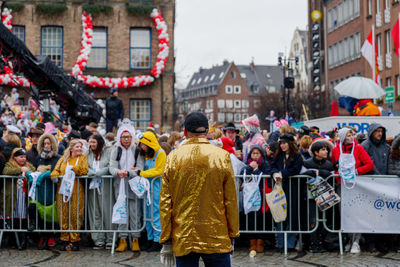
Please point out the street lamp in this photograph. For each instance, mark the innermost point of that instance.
(288, 78)
(166, 109)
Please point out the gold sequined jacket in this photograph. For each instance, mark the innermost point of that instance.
(198, 202)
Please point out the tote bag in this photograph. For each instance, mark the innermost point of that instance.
(251, 193)
(120, 211)
(277, 203)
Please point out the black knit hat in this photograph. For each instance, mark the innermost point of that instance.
(286, 138)
(231, 126)
(196, 122)
(19, 152)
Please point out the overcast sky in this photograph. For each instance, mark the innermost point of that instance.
(209, 31)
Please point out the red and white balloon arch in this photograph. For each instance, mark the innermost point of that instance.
(9, 78)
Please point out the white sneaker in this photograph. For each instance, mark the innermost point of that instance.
(355, 248)
(347, 247)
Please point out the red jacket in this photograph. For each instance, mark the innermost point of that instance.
(364, 163)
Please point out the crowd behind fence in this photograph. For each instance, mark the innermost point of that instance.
(47, 219)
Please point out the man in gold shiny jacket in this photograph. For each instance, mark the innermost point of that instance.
(198, 202)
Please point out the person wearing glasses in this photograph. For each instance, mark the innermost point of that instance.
(198, 202)
(123, 165)
(154, 164)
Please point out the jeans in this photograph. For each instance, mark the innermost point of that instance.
(291, 238)
(210, 260)
(110, 124)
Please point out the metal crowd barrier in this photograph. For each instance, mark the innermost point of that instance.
(253, 223)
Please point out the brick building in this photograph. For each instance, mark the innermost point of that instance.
(123, 45)
(228, 92)
(348, 23)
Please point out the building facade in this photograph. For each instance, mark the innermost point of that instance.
(228, 92)
(299, 51)
(125, 43)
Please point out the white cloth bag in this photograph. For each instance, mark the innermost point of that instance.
(96, 182)
(251, 193)
(67, 183)
(276, 200)
(140, 186)
(347, 168)
(120, 210)
(32, 190)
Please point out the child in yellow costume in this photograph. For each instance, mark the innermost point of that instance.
(67, 209)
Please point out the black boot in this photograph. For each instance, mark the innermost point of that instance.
(156, 247)
(23, 241)
(32, 216)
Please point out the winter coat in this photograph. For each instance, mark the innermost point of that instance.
(324, 167)
(11, 168)
(45, 193)
(103, 164)
(292, 167)
(378, 151)
(150, 140)
(114, 108)
(394, 164)
(32, 155)
(364, 164)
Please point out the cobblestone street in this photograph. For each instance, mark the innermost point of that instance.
(89, 257)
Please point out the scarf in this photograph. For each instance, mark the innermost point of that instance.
(47, 154)
(127, 158)
(259, 161)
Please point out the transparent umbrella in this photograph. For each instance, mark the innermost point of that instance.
(360, 88)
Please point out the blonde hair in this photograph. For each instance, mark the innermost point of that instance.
(67, 152)
(12, 160)
(218, 134)
(305, 142)
(175, 136)
(14, 139)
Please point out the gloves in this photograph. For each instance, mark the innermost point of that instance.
(167, 256)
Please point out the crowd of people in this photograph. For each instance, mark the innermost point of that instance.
(50, 154)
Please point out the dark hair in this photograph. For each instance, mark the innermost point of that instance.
(100, 145)
(317, 146)
(293, 150)
(150, 152)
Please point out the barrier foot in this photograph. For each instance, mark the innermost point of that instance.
(113, 243)
(285, 242)
(340, 243)
(17, 240)
(1, 237)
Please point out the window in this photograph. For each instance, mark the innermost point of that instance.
(237, 117)
(140, 48)
(388, 81)
(221, 117)
(238, 89)
(370, 7)
(334, 17)
(199, 81)
(245, 116)
(237, 103)
(52, 44)
(357, 44)
(340, 14)
(245, 103)
(233, 74)
(206, 79)
(140, 113)
(193, 81)
(340, 52)
(330, 20)
(379, 44)
(243, 75)
(378, 6)
(19, 31)
(357, 8)
(387, 4)
(388, 44)
(221, 74)
(212, 77)
(221, 103)
(212, 104)
(351, 47)
(98, 54)
(229, 117)
(229, 103)
(335, 55)
(350, 6)
(228, 89)
(398, 84)
(346, 50)
(257, 103)
(345, 10)
(330, 56)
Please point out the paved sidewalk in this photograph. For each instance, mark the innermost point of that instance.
(90, 257)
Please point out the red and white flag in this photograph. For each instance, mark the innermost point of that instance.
(371, 55)
(395, 36)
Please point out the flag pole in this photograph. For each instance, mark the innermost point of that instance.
(373, 47)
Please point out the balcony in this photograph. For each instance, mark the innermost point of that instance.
(378, 20)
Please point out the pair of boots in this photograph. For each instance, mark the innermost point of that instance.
(123, 245)
(257, 245)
